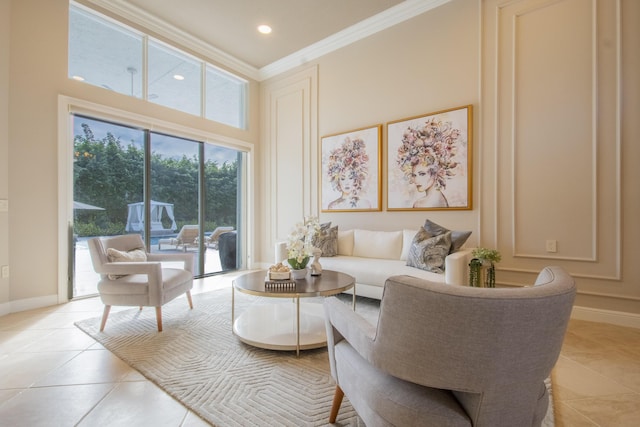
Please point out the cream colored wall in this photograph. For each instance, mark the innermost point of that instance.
(5, 27)
(423, 65)
(558, 136)
(37, 76)
(554, 141)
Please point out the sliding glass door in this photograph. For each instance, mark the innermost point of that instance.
(179, 194)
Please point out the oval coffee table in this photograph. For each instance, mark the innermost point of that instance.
(282, 326)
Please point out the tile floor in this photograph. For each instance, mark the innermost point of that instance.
(51, 373)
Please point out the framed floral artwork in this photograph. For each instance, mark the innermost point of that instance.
(350, 171)
(429, 161)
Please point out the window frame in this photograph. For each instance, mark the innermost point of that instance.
(243, 96)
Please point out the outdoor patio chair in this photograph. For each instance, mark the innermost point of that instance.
(130, 276)
(212, 240)
(186, 238)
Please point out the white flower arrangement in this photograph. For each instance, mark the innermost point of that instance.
(299, 242)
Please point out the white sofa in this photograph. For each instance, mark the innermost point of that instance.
(373, 256)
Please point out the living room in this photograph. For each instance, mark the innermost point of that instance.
(574, 184)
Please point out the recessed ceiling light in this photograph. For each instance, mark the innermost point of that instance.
(264, 29)
(178, 76)
(78, 78)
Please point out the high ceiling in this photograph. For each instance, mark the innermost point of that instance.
(231, 25)
(226, 30)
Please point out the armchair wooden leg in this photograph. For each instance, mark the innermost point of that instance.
(159, 318)
(190, 300)
(337, 401)
(105, 314)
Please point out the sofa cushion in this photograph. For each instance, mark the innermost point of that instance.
(377, 244)
(429, 252)
(374, 272)
(407, 240)
(345, 242)
(327, 241)
(458, 238)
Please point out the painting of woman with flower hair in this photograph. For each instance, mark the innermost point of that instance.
(350, 165)
(429, 161)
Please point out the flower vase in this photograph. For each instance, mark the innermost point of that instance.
(299, 274)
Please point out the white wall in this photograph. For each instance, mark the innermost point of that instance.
(555, 132)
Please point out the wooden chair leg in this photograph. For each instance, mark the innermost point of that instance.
(159, 318)
(105, 314)
(337, 401)
(189, 299)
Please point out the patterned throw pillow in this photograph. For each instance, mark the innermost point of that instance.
(428, 252)
(134, 255)
(327, 241)
(457, 237)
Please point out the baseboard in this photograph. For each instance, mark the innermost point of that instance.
(28, 304)
(5, 308)
(619, 318)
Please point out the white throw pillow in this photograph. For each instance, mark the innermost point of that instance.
(377, 244)
(407, 240)
(134, 255)
(345, 242)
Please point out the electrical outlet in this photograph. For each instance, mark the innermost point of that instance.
(552, 246)
(5, 271)
(4, 205)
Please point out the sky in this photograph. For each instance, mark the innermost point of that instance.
(168, 146)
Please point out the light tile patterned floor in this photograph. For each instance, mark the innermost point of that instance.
(51, 373)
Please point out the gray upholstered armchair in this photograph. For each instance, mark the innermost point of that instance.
(444, 355)
(131, 276)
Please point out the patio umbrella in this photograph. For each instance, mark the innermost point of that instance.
(85, 206)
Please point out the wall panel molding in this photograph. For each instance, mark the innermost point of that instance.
(289, 140)
(553, 180)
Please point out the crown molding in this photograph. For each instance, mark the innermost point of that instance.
(390, 17)
(363, 29)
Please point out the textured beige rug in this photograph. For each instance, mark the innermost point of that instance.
(198, 361)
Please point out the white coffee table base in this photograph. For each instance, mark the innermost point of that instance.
(273, 326)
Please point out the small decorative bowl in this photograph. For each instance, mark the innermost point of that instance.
(279, 275)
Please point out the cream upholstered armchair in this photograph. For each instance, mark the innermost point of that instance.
(444, 355)
(130, 276)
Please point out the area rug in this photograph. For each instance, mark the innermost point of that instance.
(198, 361)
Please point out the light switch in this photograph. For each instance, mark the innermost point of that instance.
(4, 205)
(552, 246)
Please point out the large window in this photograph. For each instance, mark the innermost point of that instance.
(189, 188)
(225, 98)
(106, 53)
(174, 79)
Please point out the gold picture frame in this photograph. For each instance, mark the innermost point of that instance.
(429, 161)
(350, 165)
